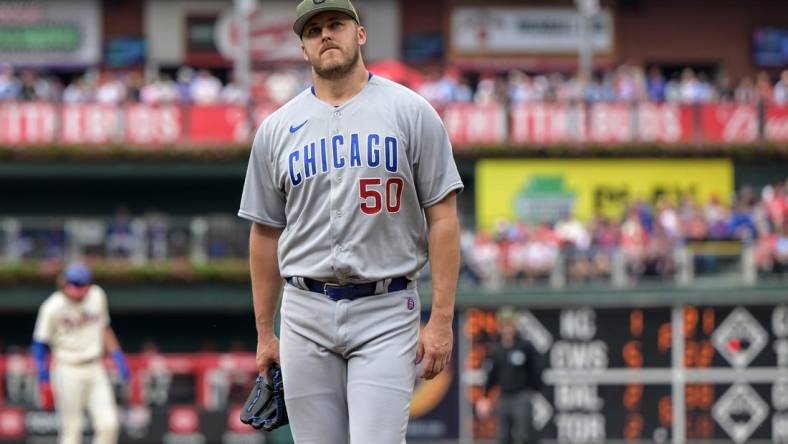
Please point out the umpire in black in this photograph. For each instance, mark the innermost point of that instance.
(515, 366)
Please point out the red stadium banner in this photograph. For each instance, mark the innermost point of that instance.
(776, 125)
(153, 125)
(475, 124)
(27, 123)
(90, 124)
(663, 123)
(541, 123)
(218, 124)
(729, 123)
(610, 123)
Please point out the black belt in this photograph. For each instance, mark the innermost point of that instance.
(338, 292)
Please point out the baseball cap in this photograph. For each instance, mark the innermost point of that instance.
(78, 273)
(310, 8)
(507, 314)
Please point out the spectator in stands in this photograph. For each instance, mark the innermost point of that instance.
(634, 239)
(655, 85)
(689, 88)
(120, 238)
(488, 90)
(449, 87)
(134, 84)
(673, 89)
(9, 85)
(282, 86)
(781, 248)
(521, 88)
(627, 84)
(161, 90)
(233, 94)
(668, 219)
(111, 90)
(741, 225)
(745, 92)
(763, 85)
(183, 84)
(205, 88)
(716, 216)
(781, 89)
(77, 92)
(27, 90)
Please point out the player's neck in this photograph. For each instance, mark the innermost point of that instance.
(338, 91)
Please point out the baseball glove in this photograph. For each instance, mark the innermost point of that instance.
(265, 406)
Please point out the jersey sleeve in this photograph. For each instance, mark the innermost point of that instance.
(435, 170)
(43, 329)
(262, 200)
(104, 305)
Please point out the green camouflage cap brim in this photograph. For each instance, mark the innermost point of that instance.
(310, 8)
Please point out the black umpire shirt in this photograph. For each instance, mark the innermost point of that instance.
(514, 368)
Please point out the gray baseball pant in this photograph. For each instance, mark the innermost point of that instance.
(349, 366)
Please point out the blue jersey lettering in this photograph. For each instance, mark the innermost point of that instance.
(336, 142)
(309, 160)
(355, 156)
(323, 156)
(373, 154)
(391, 154)
(295, 178)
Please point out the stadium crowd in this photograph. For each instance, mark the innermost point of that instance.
(644, 240)
(646, 236)
(628, 83)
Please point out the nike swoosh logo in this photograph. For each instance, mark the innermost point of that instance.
(293, 129)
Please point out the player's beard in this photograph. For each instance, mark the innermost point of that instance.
(337, 70)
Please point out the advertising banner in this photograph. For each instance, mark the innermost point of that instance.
(50, 33)
(525, 30)
(153, 125)
(474, 124)
(776, 126)
(544, 190)
(218, 124)
(600, 123)
(729, 123)
(90, 124)
(27, 123)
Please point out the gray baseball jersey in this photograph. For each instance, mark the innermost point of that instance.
(349, 183)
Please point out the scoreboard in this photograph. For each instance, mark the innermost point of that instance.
(655, 374)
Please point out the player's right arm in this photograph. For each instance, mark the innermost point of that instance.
(266, 285)
(42, 335)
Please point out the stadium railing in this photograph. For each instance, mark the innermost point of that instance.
(222, 240)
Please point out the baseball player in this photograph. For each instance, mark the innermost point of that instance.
(346, 186)
(74, 323)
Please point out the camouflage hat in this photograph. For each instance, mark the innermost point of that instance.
(310, 8)
(507, 315)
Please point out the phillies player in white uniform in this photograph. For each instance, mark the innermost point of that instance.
(346, 185)
(74, 323)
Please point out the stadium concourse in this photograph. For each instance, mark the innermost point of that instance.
(625, 207)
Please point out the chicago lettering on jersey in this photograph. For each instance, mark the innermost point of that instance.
(338, 152)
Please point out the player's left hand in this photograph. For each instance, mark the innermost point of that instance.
(435, 344)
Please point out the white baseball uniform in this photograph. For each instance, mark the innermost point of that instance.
(349, 185)
(75, 334)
